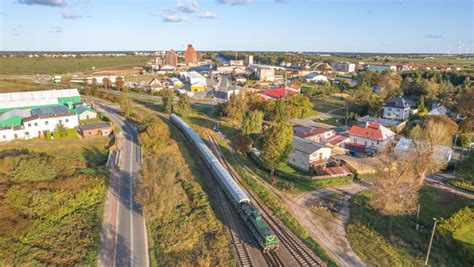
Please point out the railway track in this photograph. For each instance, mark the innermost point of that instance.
(298, 251)
(244, 257)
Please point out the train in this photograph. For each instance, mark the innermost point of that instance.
(239, 199)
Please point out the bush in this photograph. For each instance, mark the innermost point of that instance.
(466, 185)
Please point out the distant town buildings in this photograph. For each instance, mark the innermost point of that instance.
(236, 62)
(190, 56)
(344, 66)
(266, 74)
(314, 77)
(381, 68)
(171, 58)
(248, 60)
(196, 81)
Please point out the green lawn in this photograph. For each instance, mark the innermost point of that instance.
(393, 241)
(51, 202)
(52, 66)
(326, 103)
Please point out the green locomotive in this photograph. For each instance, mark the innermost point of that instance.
(252, 217)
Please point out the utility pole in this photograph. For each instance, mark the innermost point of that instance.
(431, 241)
(417, 217)
(347, 111)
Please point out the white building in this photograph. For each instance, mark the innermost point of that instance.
(372, 136)
(248, 60)
(21, 100)
(176, 82)
(343, 66)
(314, 77)
(398, 108)
(266, 74)
(307, 153)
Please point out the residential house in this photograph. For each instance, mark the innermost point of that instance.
(225, 89)
(276, 93)
(154, 84)
(95, 129)
(398, 108)
(321, 135)
(369, 138)
(394, 125)
(307, 154)
(266, 74)
(439, 111)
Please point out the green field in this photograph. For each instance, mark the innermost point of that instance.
(393, 241)
(435, 60)
(51, 66)
(326, 103)
(51, 202)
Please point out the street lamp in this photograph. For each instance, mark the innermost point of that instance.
(431, 241)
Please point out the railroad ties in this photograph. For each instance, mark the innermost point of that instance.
(302, 255)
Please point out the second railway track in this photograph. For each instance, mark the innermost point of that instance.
(298, 251)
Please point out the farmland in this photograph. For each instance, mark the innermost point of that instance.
(51, 202)
(51, 66)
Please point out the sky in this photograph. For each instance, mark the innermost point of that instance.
(379, 26)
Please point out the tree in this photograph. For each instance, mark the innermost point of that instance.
(153, 135)
(435, 130)
(169, 98)
(184, 105)
(281, 113)
(422, 110)
(465, 105)
(252, 123)
(61, 129)
(364, 101)
(278, 143)
(85, 89)
(119, 82)
(236, 107)
(390, 84)
(125, 103)
(465, 140)
(94, 87)
(400, 177)
(299, 106)
(243, 143)
(106, 83)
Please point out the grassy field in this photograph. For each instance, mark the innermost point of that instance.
(327, 103)
(51, 66)
(183, 227)
(51, 202)
(439, 60)
(393, 241)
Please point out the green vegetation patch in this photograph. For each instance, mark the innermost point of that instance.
(51, 66)
(393, 241)
(50, 209)
(183, 228)
(466, 185)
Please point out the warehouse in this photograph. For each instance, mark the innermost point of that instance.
(29, 100)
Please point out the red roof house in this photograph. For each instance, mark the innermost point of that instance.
(371, 135)
(276, 93)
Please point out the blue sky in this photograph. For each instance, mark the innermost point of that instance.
(403, 26)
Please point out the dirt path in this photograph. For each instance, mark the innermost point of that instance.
(328, 230)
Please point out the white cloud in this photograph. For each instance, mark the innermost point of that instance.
(187, 7)
(53, 3)
(55, 29)
(173, 18)
(207, 15)
(71, 15)
(234, 2)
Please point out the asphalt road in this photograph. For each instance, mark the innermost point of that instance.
(130, 246)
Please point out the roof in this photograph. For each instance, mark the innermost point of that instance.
(342, 170)
(384, 122)
(400, 102)
(315, 75)
(46, 116)
(48, 110)
(372, 130)
(36, 98)
(439, 111)
(303, 132)
(443, 153)
(277, 93)
(81, 109)
(14, 113)
(337, 139)
(94, 126)
(306, 146)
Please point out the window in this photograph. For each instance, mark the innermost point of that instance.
(36, 124)
(87, 117)
(46, 123)
(29, 124)
(67, 120)
(60, 121)
(27, 133)
(15, 136)
(4, 137)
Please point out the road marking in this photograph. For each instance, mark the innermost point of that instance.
(131, 203)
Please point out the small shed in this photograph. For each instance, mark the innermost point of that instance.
(95, 129)
(85, 113)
